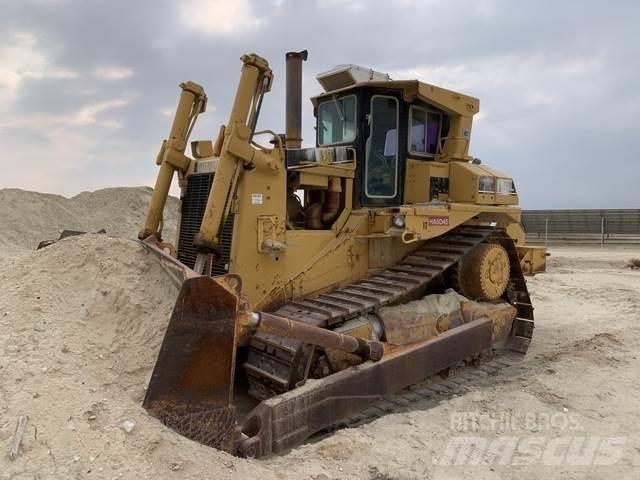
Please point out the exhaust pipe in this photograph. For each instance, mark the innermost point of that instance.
(293, 124)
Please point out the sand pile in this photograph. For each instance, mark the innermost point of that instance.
(81, 325)
(26, 217)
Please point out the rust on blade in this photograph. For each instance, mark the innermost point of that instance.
(191, 388)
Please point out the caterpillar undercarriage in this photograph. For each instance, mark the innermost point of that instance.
(319, 282)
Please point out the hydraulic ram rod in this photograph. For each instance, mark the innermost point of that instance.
(321, 337)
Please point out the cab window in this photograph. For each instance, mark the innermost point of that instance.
(381, 165)
(337, 120)
(424, 131)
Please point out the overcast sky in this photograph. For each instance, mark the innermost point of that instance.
(88, 87)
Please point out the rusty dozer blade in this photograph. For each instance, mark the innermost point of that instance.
(191, 388)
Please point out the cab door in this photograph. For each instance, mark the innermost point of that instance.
(382, 169)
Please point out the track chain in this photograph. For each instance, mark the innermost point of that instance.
(276, 365)
(439, 387)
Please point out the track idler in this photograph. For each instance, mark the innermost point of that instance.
(484, 272)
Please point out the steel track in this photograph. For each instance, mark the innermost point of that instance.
(275, 365)
(439, 387)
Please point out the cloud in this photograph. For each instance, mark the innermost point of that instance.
(112, 73)
(89, 113)
(519, 82)
(21, 60)
(353, 5)
(221, 17)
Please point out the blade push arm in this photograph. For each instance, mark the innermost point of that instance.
(171, 156)
(236, 152)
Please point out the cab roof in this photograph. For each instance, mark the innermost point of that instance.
(451, 102)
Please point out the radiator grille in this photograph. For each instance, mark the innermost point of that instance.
(194, 203)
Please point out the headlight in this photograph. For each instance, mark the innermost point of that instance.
(398, 221)
(505, 186)
(486, 185)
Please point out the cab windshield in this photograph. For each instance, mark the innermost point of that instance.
(337, 120)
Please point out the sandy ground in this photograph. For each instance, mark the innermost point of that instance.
(81, 321)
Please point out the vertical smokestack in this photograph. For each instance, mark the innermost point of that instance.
(293, 127)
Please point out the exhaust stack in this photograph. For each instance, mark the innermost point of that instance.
(293, 127)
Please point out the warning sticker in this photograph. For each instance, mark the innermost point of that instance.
(256, 198)
(438, 221)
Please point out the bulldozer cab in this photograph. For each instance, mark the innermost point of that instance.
(384, 130)
(400, 135)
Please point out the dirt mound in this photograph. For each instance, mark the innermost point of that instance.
(27, 217)
(81, 325)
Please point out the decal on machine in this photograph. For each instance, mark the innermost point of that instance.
(256, 198)
(437, 221)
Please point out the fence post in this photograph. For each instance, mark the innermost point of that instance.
(602, 231)
(546, 231)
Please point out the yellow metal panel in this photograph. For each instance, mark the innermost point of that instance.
(438, 169)
(463, 182)
(463, 185)
(346, 169)
(309, 179)
(506, 199)
(533, 259)
(416, 184)
(417, 179)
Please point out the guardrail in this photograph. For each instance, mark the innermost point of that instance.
(582, 226)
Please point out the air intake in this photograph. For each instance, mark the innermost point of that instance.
(343, 76)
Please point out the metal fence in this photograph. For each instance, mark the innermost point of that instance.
(582, 226)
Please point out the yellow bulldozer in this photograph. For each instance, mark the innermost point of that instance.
(319, 281)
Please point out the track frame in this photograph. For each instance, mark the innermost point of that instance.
(296, 413)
